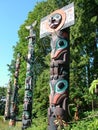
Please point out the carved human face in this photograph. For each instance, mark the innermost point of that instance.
(55, 20)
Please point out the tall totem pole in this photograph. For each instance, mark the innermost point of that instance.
(8, 102)
(14, 100)
(29, 84)
(57, 25)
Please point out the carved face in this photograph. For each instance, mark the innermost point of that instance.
(58, 48)
(58, 92)
(55, 20)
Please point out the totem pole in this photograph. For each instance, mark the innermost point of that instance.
(8, 102)
(14, 100)
(57, 25)
(27, 108)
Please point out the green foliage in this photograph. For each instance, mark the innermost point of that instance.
(41, 93)
(20, 111)
(93, 86)
(86, 125)
(93, 19)
(39, 124)
(2, 92)
(82, 44)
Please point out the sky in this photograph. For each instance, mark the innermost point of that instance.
(13, 13)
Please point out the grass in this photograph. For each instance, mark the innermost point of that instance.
(4, 125)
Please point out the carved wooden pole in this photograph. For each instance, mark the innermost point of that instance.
(8, 102)
(57, 25)
(27, 108)
(14, 103)
(59, 80)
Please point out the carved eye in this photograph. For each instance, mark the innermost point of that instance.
(61, 44)
(61, 86)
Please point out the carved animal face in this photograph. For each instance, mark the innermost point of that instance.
(55, 20)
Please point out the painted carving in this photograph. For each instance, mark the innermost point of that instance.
(59, 75)
(14, 101)
(27, 107)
